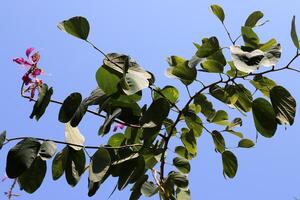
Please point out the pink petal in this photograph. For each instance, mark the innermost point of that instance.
(22, 61)
(26, 79)
(29, 51)
(36, 72)
(118, 126)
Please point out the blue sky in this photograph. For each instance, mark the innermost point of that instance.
(149, 31)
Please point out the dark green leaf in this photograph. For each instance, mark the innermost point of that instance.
(183, 152)
(2, 139)
(230, 164)
(253, 18)
(218, 141)
(59, 163)
(189, 141)
(99, 165)
(194, 123)
(284, 105)
(263, 84)
(294, 33)
(246, 143)
(69, 107)
(107, 80)
(182, 165)
(169, 92)
(41, 104)
(209, 47)
(149, 189)
(206, 106)
(180, 69)
(136, 189)
(219, 93)
(47, 150)
(104, 129)
(180, 180)
(33, 177)
(156, 114)
(75, 166)
(218, 11)
(250, 37)
(264, 117)
(21, 156)
(76, 26)
(235, 123)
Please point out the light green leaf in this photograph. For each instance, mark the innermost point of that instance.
(263, 84)
(107, 80)
(235, 123)
(250, 37)
(69, 107)
(253, 18)
(76, 26)
(246, 143)
(218, 11)
(116, 140)
(206, 106)
(220, 117)
(73, 136)
(230, 164)
(21, 156)
(183, 152)
(182, 165)
(59, 163)
(264, 117)
(99, 165)
(33, 177)
(170, 92)
(182, 194)
(268, 45)
(193, 122)
(47, 150)
(294, 33)
(189, 140)
(284, 105)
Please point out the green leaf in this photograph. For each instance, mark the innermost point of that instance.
(220, 117)
(182, 194)
(116, 140)
(99, 165)
(136, 189)
(182, 165)
(47, 150)
(218, 11)
(219, 93)
(156, 114)
(194, 123)
(250, 37)
(206, 106)
(215, 62)
(264, 117)
(230, 164)
(75, 166)
(169, 92)
(59, 163)
(33, 177)
(149, 189)
(104, 129)
(41, 104)
(294, 33)
(21, 156)
(234, 71)
(73, 136)
(180, 180)
(107, 80)
(246, 143)
(284, 105)
(235, 123)
(189, 141)
(2, 139)
(239, 97)
(76, 26)
(268, 45)
(183, 152)
(180, 69)
(69, 107)
(218, 141)
(209, 47)
(238, 134)
(263, 84)
(253, 18)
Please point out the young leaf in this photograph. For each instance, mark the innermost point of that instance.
(73, 136)
(47, 150)
(69, 107)
(284, 105)
(75, 166)
(2, 139)
(99, 165)
(21, 156)
(218, 11)
(59, 163)
(230, 164)
(33, 177)
(264, 117)
(76, 26)
(294, 33)
(246, 143)
(253, 18)
(182, 165)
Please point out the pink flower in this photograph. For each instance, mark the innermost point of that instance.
(118, 126)
(29, 51)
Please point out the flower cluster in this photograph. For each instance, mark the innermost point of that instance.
(30, 78)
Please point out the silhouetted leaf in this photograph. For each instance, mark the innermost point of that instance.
(264, 117)
(218, 11)
(136, 189)
(76, 26)
(284, 105)
(104, 129)
(253, 18)
(33, 177)
(21, 156)
(69, 107)
(99, 165)
(230, 164)
(75, 166)
(59, 163)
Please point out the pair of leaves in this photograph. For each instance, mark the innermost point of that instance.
(42, 102)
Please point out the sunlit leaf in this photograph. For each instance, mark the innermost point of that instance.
(182, 165)
(235, 123)
(246, 143)
(189, 140)
(253, 18)
(183, 152)
(76, 26)
(194, 123)
(250, 37)
(149, 189)
(263, 84)
(220, 117)
(73, 136)
(206, 106)
(169, 92)
(116, 140)
(218, 11)
(294, 33)
(230, 164)
(182, 194)
(218, 141)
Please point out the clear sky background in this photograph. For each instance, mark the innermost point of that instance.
(149, 31)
